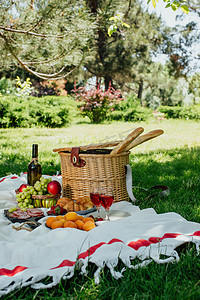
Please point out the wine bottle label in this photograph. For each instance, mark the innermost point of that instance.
(34, 159)
(34, 167)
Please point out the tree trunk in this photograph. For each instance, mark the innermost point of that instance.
(140, 90)
(107, 81)
(101, 43)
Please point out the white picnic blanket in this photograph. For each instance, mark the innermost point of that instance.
(28, 257)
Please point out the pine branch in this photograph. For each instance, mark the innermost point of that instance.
(33, 33)
(54, 76)
(42, 18)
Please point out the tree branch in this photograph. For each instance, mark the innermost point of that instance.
(41, 19)
(32, 33)
(40, 75)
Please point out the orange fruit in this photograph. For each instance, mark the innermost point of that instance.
(79, 224)
(71, 216)
(59, 217)
(86, 219)
(57, 224)
(62, 220)
(88, 225)
(80, 217)
(50, 220)
(70, 224)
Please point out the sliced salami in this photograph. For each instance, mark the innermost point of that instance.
(20, 214)
(35, 212)
(30, 215)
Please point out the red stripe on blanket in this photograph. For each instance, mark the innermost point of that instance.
(8, 272)
(197, 233)
(65, 263)
(92, 249)
(154, 240)
(139, 243)
(13, 177)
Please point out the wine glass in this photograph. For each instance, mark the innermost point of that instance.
(95, 198)
(107, 198)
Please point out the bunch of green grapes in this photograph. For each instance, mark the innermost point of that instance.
(41, 186)
(24, 198)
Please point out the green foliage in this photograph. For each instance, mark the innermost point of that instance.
(194, 86)
(191, 112)
(130, 110)
(47, 38)
(137, 114)
(117, 22)
(174, 4)
(23, 88)
(46, 111)
(6, 86)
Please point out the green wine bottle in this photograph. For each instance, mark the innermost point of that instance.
(34, 167)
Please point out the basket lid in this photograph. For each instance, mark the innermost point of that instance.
(90, 147)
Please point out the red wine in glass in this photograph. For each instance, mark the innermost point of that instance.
(95, 198)
(107, 198)
(106, 201)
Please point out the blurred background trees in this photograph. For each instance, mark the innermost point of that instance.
(56, 43)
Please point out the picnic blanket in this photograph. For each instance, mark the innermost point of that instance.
(28, 257)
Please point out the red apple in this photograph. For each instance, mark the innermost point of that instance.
(54, 187)
(23, 186)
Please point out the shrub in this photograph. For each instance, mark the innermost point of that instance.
(95, 103)
(6, 86)
(137, 114)
(30, 111)
(130, 110)
(191, 112)
(49, 88)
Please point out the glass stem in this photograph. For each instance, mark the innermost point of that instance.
(98, 212)
(107, 215)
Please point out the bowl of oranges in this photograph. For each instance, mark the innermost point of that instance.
(71, 220)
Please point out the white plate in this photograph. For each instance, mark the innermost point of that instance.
(114, 216)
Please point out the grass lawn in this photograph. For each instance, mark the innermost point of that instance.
(172, 159)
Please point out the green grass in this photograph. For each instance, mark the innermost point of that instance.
(172, 159)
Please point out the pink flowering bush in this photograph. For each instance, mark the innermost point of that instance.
(95, 103)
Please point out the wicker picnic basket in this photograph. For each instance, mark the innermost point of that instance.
(99, 168)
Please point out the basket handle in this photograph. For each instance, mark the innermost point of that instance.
(129, 183)
(75, 159)
(160, 190)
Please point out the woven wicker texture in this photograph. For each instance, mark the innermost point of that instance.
(102, 170)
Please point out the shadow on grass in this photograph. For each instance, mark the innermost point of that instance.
(179, 170)
(165, 166)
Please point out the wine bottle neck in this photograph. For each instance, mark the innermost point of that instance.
(35, 151)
